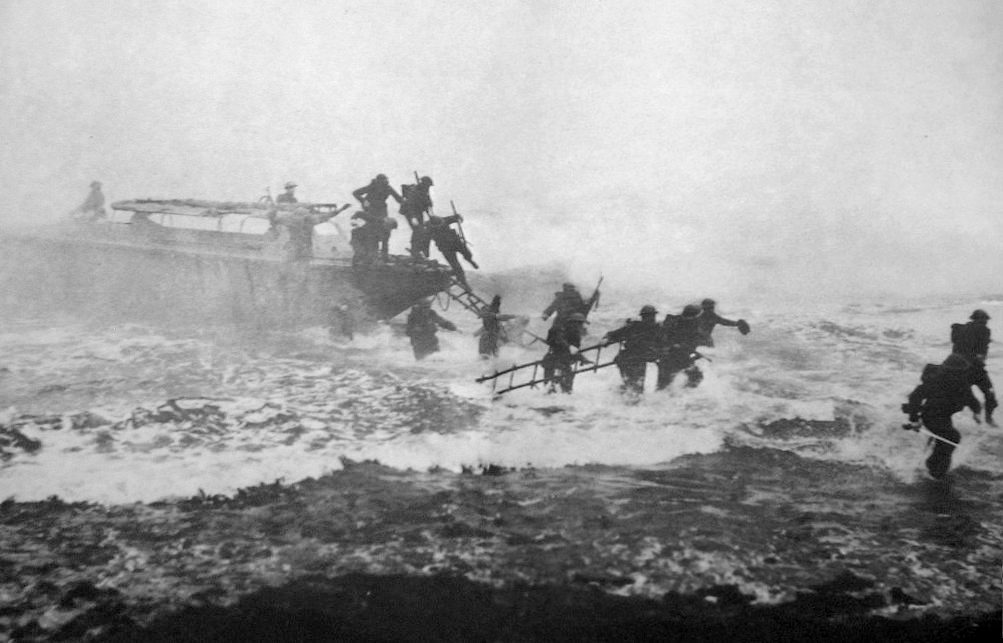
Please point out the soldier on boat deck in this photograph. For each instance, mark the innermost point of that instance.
(299, 223)
(709, 319)
(373, 198)
(422, 324)
(289, 196)
(568, 300)
(417, 204)
(640, 343)
(93, 205)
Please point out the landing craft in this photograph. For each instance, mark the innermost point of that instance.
(202, 261)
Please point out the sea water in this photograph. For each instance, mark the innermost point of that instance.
(124, 413)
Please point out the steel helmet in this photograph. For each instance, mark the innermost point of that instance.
(691, 311)
(648, 309)
(955, 362)
(290, 185)
(426, 180)
(708, 303)
(979, 314)
(381, 178)
(95, 184)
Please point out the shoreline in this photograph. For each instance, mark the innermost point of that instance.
(747, 539)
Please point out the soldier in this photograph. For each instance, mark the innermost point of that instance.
(289, 196)
(943, 391)
(971, 341)
(491, 330)
(300, 223)
(422, 324)
(342, 322)
(373, 198)
(449, 244)
(640, 343)
(93, 206)
(417, 204)
(568, 301)
(681, 336)
(709, 318)
(563, 343)
(366, 233)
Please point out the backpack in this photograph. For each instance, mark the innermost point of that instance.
(930, 373)
(958, 334)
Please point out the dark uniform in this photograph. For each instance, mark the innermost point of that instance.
(366, 237)
(568, 300)
(491, 328)
(709, 319)
(288, 196)
(449, 244)
(640, 343)
(558, 363)
(422, 325)
(944, 391)
(373, 198)
(971, 341)
(681, 336)
(417, 204)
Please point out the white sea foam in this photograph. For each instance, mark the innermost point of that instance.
(852, 364)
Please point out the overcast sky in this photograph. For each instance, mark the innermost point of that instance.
(806, 149)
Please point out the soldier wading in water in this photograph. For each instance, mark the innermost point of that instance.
(559, 362)
(422, 325)
(943, 391)
(491, 331)
(640, 343)
(971, 341)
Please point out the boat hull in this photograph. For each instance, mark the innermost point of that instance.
(112, 271)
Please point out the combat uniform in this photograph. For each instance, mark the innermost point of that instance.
(558, 363)
(422, 325)
(640, 343)
(944, 391)
(449, 244)
(300, 223)
(417, 203)
(373, 198)
(491, 329)
(681, 335)
(971, 340)
(566, 301)
(709, 319)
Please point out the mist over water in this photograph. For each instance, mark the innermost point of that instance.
(753, 150)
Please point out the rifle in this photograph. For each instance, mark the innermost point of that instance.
(536, 338)
(328, 210)
(594, 300)
(922, 429)
(459, 225)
